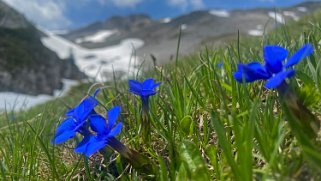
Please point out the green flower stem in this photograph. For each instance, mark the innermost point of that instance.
(140, 162)
(145, 124)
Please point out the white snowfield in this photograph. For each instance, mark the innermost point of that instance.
(183, 27)
(15, 102)
(220, 13)
(166, 20)
(255, 32)
(97, 63)
(277, 16)
(302, 9)
(98, 37)
(258, 31)
(291, 14)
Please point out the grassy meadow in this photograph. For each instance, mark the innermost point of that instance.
(204, 124)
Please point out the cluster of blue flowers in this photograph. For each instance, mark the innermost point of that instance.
(274, 71)
(81, 118)
(95, 128)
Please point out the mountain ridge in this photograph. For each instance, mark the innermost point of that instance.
(26, 65)
(201, 27)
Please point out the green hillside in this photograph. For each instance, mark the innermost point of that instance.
(204, 124)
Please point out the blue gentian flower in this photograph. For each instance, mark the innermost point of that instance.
(143, 89)
(251, 72)
(103, 132)
(219, 65)
(76, 120)
(274, 71)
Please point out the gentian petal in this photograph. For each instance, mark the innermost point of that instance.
(148, 83)
(112, 116)
(303, 52)
(85, 108)
(251, 72)
(277, 79)
(70, 112)
(94, 146)
(135, 87)
(147, 92)
(219, 65)
(258, 71)
(156, 85)
(238, 76)
(116, 130)
(81, 147)
(67, 125)
(97, 123)
(273, 56)
(64, 136)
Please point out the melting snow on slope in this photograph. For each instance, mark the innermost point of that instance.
(255, 32)
(277, 16)
(183, 27)
(98, 37)
(96, 63)
(220, 13)
(15, 101)
(302, 9)
(291, 14)
(166, 20)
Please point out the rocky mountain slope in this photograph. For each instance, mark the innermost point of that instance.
(26, 66)
(211, 27)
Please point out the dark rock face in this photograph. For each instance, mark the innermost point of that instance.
(26, 66)
(121, 23)
(9, 18)
(124, 25)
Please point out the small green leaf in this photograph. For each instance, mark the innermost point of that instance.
(182, 173)
(193, 162)
(163, 174)
(186, 125)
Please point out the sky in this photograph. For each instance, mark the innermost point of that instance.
(72, 14)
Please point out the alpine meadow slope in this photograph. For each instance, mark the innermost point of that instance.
(202, 123)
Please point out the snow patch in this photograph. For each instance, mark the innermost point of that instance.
(102, 62)
(98, 37)
(255, 32)
(258, 31)
(302, 9)
(166, 20)
(220, 13)
(183, 26)
(291, 14)
(11, 101)
(277, 16)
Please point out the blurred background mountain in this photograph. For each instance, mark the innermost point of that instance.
(199, 28)
(26, 65)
